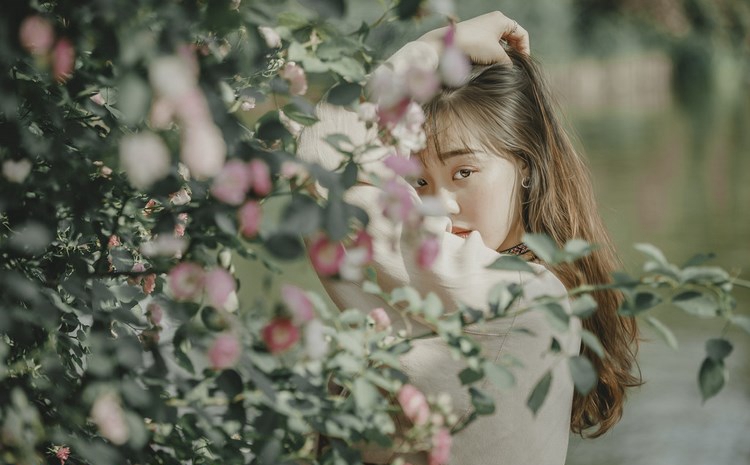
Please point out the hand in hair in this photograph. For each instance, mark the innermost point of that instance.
(480, 37)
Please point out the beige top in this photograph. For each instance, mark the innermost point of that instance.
(512, 435)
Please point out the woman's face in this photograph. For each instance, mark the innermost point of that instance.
(480, 191)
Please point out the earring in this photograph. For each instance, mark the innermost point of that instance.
(526, 182)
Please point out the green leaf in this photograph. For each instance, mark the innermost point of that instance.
(539, 393)
(326, 8)
(511, 263)
(469, 375)
(348, 68)
(432, 306)
(340, 142)
(499, 375)
(407, 9)
(704, 274)
(285, 245)
(294, 113)
(335, 219)
(230, 382)
(584, 306)
(642, 301)
(501, 297)
(697, 303)
(483, 404)
(710, 378)
(544, 247)
(302, 215)
(718, 349)
(577, 248)
(583, 373)
(365, 394)
(556, 315)
(663, 331)
(349, 176)
(344, 93)
(653, 253)
(742, 321)
(699, 259)
(592, 342)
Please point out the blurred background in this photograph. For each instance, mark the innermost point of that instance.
(658, 94)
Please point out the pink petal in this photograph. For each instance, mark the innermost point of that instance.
(219, 284)
(280, 334)
(250, 218)
(298, 303)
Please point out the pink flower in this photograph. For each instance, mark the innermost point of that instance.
(441, 447)
(145, 158)
(298, 303)
(455, 66)
(280, 334)
(192, 108)
(164, 246)
(414, 404)
(181, 197)
(428, 252)
(218, 284)
(390, 115)
(149, 283)
(326, 256)
(409, 131)
(114, 241)
(162, 113)
(63, 60)
(381, 318)
(270, 36)
(367, 112)
(180, 224)
(397, 201)
(62, 453)
(98, 99)
(295, 75)
(107, 414)
(248, 103)
(403, 166)
(186, 281)
(250, 217)
(422, 83)
(224, 352)
(154, 313)
(387, 88)
(36, 35)
(203, 150)
(232, 183)
(260, 175)
(363, 240)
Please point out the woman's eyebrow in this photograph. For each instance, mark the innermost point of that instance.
(457, 152)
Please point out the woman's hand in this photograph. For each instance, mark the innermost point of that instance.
(480, 37)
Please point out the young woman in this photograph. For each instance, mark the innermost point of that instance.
(499, 158)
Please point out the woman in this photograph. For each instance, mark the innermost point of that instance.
(499, 159)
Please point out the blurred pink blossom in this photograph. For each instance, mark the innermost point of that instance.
(428, 252)
(381, 318)
(441, 447)
(270, 36)
(224, 351)
(203, 150)
(260, 176)
(186, 281)
(98, 99)
(62, 453)
(63, 60)
(396, 200)
(232, 183)
(455, 66)
(180, 224)
(149, 283)
(295, 75)
(326, 256)
(181, 197)
(280, 334)
(114, 241)
(414, 404)
(249, 216)
(367, 112)
(422, 83)
(162, 113)
(248, 103)
(164, 246)
(145, 158)
(403, 166)
(36, 35)
(108, 416)
(298, 303)
(154, 313)
(219, 284)
(387, 88)
(409, 130)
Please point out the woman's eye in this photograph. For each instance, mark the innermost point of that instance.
(420, 182)
(461, 174)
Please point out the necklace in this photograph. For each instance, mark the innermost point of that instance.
(523, 251)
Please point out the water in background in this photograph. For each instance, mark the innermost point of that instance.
(674, 170)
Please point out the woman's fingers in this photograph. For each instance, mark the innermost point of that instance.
(480, 37)
(517, 37)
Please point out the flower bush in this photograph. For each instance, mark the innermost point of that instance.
(138, 142)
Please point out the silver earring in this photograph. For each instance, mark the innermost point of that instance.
(526, 182)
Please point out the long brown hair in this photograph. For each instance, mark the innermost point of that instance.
(510, 110)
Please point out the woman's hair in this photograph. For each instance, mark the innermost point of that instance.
(509, 110)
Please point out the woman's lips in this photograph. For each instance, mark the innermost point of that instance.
(463, 233)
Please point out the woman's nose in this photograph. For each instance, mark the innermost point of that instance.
(449, 200)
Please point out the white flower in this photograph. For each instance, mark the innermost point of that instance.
(354, 260)
(145, 159)
(203, 150)
(107, 414)
(181, 197)
(367, 112)
(409, 131)
(386, 87)
(315, 342)
(164, 246)
(454, 67)
(272, 38)
(422, 83)
(171, 77)
(16, 171)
